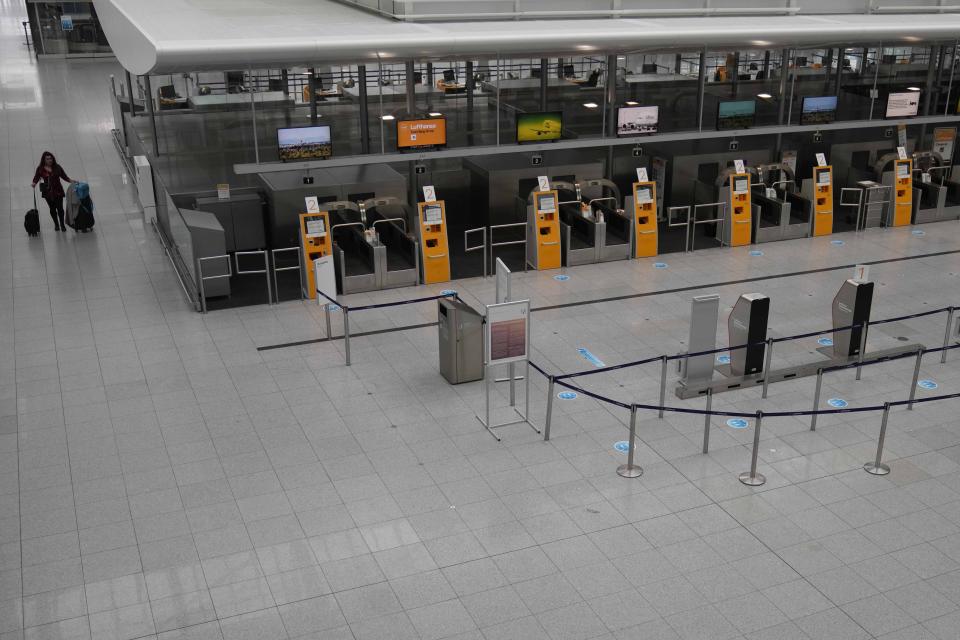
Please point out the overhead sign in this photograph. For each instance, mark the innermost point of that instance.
(508, 332)
(943, 140)
(66, 23)
(313, 205)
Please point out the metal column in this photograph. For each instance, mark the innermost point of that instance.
(735, 80)
(838, 81)
(312, 85)
(611, 100)
(782, 90)
(364, 109)
(766, 64)
(411, 88)
(543, 84)
(153, 117)
(928, 90)
(133, 111)
(469, 86)
(701, 87)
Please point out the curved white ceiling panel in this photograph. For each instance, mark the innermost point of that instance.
(165, 36)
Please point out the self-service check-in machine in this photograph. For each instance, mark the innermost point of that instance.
(902, 193)
(434, 251)
(747, 324)
(645, 236)
(315, 243)
(543, 231)
(819, 192)
(738, 212)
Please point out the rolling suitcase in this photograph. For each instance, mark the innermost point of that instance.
(31, 221)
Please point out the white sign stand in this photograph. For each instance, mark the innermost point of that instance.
(507, 341)
(503, 287)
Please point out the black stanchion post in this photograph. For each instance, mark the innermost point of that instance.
(326, 317)
(663, 383)
(876, 467)
(946, 335)
(631, 470)
(546, 426)
(766, 366)
(863, 346)
(916, 378)
(816, 400)
(752, 478)
(706, 421)
(346, 333)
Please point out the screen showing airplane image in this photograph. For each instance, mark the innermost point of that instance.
(304, 143)
(539, 127)
(632, 121)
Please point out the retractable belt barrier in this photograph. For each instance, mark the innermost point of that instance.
(347, 309)
(753, 477)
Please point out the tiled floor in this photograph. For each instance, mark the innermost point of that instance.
(162, 478)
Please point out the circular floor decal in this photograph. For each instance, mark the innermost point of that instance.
(825, 342)
(660, 265)
(756, 253)
(448, 292)
(723, 359)
(561, 278)
(929, 385)
(567, 395)
(837, 403)
(838, 243)
(332, 307)
(623, 446)
(737, 423)
(918, 232)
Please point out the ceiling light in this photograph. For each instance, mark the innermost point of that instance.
(913, 88)
(434, 114)
(631, 103)
(765, 96)
(386, 117)
(590, 105)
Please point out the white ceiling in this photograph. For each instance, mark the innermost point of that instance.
(165, 36)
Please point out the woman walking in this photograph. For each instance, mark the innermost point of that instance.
(49, 174)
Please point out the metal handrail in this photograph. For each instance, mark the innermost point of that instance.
(265, 271)
(866, 201)
(202, 278)
(347, 224)
(510, 242)
(686, 223)
(694, 222)
(400, 220)
(858, 204)
(299, 268)
(483, 246)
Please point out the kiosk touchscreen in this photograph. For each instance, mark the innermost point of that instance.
(741, 211)
(315, 243)
(434, 254)
(822, 201)
(645, 219)
(902, 193)
(543, 236)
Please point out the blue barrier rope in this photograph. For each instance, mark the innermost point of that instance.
(442, 296)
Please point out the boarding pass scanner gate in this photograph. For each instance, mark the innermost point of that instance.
(747, 324)
(593, 227)
(851, 308)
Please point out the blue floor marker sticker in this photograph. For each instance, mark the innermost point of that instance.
(660, 265)
(561, 278)
(623, 446)
(723, 359)
(589, 357)
(448, 292)
(567, 395)
(737, 423)
(837, 403)
(918, 232)
(929, 385)
(838, 243)
(332, 307)
(756, 253)
(825, 342)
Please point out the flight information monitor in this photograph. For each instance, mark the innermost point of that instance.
(818, 110)
(903, 105)
(539, 127)
(738, 114)
(632, 121)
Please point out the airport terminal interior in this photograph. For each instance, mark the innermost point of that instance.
(525, 320)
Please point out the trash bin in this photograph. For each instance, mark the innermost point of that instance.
(460, 330)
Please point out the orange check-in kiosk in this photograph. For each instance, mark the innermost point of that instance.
(739, 218)
(315, 243)
(822, 199)
(902, 193)
(434, 251)
(645, 219)
(543, 231)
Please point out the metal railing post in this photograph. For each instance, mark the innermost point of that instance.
(346, 333)
(863, 347)
(876, 467)
(766, 366)
(752, 478)
(663, 383)
(946, 335)
(549, 418)
(816, 400)
(916, 378)
(706, 421)
(276, 269)
(203, 296)
(631, 470)
(481, 247)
